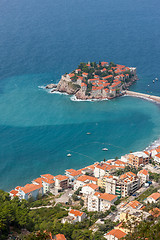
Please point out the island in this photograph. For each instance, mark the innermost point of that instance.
(96, 81)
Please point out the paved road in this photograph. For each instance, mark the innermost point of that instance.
(65, 197)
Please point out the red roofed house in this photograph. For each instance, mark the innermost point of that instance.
(106, 64)
(78, 216)
(157, 158)
(74, 216)
(83, 86)
(100, 170)
(83, 180)
(13, 193)
(153, 198)
(59, 237)
(47, 182)
(114, 234)
(61, 182)
(155, 212)
(73, 174)
(101, 201)
(144, 176)
(85, 74)
(89, 189)
(30, 190)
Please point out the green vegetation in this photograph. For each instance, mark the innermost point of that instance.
(145, 230)
(127, 169)
(154, 176)
(148, 192)
(74, 86)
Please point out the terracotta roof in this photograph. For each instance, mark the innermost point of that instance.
(104, 63)
(18, 187)
(85, 73)
(80, 77)
(102, 166)
(61, 177)
(155, 212)
(158, 155)
(74, 172)
(143, 171)
(105, 196)
(14, 193)
(49, 181)
(48, 176)
(117, 233)
(109, 76)
(155, 196)
(38, 180)
(92, 185)
(83, 178)
(134, 204)
(116, 84)
(71, 75)
(127, 175)
(60, 237)
(30, 188)
(76, 212)
(83, 84)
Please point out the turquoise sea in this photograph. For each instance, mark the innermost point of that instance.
(40, 41)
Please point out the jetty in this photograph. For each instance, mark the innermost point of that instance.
(142, 95)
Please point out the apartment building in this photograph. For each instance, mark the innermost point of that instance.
(124, 185)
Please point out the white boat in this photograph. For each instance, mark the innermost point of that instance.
(88, 133)
(69, 155)
(153, 81)
(104, 149)
(156, 79)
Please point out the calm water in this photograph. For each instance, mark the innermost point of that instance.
(40, 41)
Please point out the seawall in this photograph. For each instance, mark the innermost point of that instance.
(142, 95)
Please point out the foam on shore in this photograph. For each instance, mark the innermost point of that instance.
(153, 145)
(74, 98)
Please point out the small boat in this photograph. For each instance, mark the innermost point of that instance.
(156, 79)
(148, 85)
(88, 133)
(153, 81)
(104, 149)
(69, 155)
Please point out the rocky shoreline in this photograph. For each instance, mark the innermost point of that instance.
(110, 83)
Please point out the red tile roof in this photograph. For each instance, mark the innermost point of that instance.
(155, 196)
(117, 233)
(143, 171)
(84, 178)
(60, 237)
(31, 187)
(48, 176)
(61, 177)
(106, 196)
(92, 185)
(14, 193)
(76, 213)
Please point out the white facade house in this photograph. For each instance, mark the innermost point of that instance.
(89, 189)
(100, 170)
(100, 201)
(153, 198)
(78, 216)
(115, 234)
(83, 180)
(144, 176)
(30, 190)
(157, 158)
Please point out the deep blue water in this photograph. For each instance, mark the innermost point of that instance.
(40, 41)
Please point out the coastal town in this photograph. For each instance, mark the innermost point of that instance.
(125, 191)
(96, 81)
